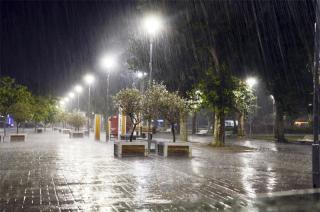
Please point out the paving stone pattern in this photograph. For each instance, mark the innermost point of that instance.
(51, 172)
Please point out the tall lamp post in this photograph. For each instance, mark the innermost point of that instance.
(89, 79)
(152, 24)
(71, 96)
(78, 89)
(251, 82)
(108, 62)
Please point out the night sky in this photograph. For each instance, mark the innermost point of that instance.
(49, 44)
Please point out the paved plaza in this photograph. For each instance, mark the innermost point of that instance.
(51, 172)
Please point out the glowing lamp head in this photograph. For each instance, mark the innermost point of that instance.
(107, 62)
(251, 82)
(152, 24)
(71, 95)
(78, 89)
(89, 79)
(140, 74)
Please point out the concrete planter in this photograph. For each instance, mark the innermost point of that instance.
(167, 149)
(65, 131)
(127, 149)
(39, 130)
(76, 134)
(18, 137)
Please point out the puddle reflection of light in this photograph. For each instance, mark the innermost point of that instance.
(247, 177)
(271, 180)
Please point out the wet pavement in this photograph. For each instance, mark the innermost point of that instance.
(50, 172)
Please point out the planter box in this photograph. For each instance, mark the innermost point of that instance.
(65, 131)
(166, 149)
(76, 134)
(127, 137)
(39, 130)
(126, 149)
(18, 137)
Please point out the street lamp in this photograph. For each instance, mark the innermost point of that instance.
(152, 25)
(89, 79)
(251, 82)
(107, 63)
(273, 112)
(78, 89)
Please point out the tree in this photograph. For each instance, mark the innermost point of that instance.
(130, 101)
(21, 112)
(217, 92)
(172, 107)
(244, 103)
(76, 120)
(151, 101)
(40, 111)
(15, 100)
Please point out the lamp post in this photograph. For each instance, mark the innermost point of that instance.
(78, 89)
(152, 24)
(89, 79)
(108, 62)
(71, 96)
(251, 82)
(273, 112)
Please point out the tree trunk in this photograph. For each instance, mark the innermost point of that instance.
(183, 128)
(241, 125)
(219, 129)
(173, 133)
(279, 123)
(35, 126)
(131, 135)
(17, 128)
(194, 123)
(235, 126)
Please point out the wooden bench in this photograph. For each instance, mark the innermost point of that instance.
(167, 149)
(127, 149)
(18, 137)
(76, 134)
(66, 131)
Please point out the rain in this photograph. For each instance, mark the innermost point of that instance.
(151, 105)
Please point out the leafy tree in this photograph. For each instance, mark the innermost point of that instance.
(217, 92)
(130, 101)
(151, 101)
(76, 120)
(172, 107)
(244, 103)
(21, 112)
(40, 111)
(13, 99)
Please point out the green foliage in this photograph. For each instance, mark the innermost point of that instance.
(244, 99)
(21, 112)
(12, 93)
(172, 107)
(76, 120)
(217, 89)
(130, 101)
(152, 99)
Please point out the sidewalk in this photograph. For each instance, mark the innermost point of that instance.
(52, 172)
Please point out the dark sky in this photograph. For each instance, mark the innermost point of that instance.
(47, 45)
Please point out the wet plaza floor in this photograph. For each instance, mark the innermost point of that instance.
(51, 172)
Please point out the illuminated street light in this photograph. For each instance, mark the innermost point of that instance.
(78, 89)
(152, 24)
(89, 79)
(71, 95)
(107, 62)
(251, 81)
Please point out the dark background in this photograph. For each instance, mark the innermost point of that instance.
(46, 45)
